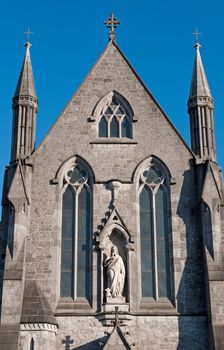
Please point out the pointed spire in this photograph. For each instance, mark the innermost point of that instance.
(199, 82)
(25, 85)
(200, 109)
(25, 104)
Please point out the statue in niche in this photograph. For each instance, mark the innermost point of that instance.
(115, 274)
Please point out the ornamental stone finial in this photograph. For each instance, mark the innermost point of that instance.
(112, 23)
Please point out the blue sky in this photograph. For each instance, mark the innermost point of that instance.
(156, 37)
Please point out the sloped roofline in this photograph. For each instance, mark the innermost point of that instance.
(210, 169)
(154, 100)
(111, 42)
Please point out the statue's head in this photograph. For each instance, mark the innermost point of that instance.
(114, 250)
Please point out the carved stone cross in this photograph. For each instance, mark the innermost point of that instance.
(67, 341)
(112, 23)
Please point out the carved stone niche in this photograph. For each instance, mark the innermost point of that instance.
(115, 248)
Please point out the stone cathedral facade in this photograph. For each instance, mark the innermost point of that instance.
(112, 228)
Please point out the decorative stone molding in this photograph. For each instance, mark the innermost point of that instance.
(113, 222)
(114, 186)
(38, 327)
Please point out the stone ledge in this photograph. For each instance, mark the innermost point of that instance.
(114, 141)
(163, 306)
(70, 307)
(38, 327)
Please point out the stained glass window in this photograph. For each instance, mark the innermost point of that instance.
(115, 121)
(154, 233)
(75, 248)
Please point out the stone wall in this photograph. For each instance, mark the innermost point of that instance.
(143, 333)
(75, 134)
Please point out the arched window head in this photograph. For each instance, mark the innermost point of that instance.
(75, 248)
(154, 231)
(115, 117)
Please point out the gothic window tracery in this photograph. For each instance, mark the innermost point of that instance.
(115, 120)
(75, 249)
(154, 232)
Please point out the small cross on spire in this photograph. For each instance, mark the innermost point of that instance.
(28, 34)
(196, 34)
(112, 23)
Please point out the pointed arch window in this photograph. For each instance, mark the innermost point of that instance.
(115, 119)
(32, 344)
(154, 232)
(75, 248)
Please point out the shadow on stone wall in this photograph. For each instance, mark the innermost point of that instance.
(96, 344)
(191, 291)
(3, 245)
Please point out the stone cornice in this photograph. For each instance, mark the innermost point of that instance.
(38, 327)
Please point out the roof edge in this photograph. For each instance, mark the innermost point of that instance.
(110, 43)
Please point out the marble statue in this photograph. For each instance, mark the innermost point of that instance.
(115, 274)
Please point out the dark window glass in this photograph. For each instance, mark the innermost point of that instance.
(146, 242)
(114, 128)
(32, 344)
(83, 261)
(108, 112)
(119, 111)
(67, 266)
(77, 175)
(153, 175)
(116, 117)
(162, 242)
(103, 127)
(125, 128)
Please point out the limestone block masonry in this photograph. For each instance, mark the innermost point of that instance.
(140, 188)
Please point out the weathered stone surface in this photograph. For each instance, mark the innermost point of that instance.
(194, 313)
(35, 308)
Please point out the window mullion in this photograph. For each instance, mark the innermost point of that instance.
(75, 245)
(154, 238)
(120, 128)
(108, 127)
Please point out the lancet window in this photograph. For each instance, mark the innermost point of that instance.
(154, 232)
(115, 119)
(32, 344)
(75, 243)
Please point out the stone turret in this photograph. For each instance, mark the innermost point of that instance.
(24, 111)
(200, 109)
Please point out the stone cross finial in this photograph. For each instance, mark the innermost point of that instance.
(68, 342)
(112, 23)
(196, 34)
(28, 34)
